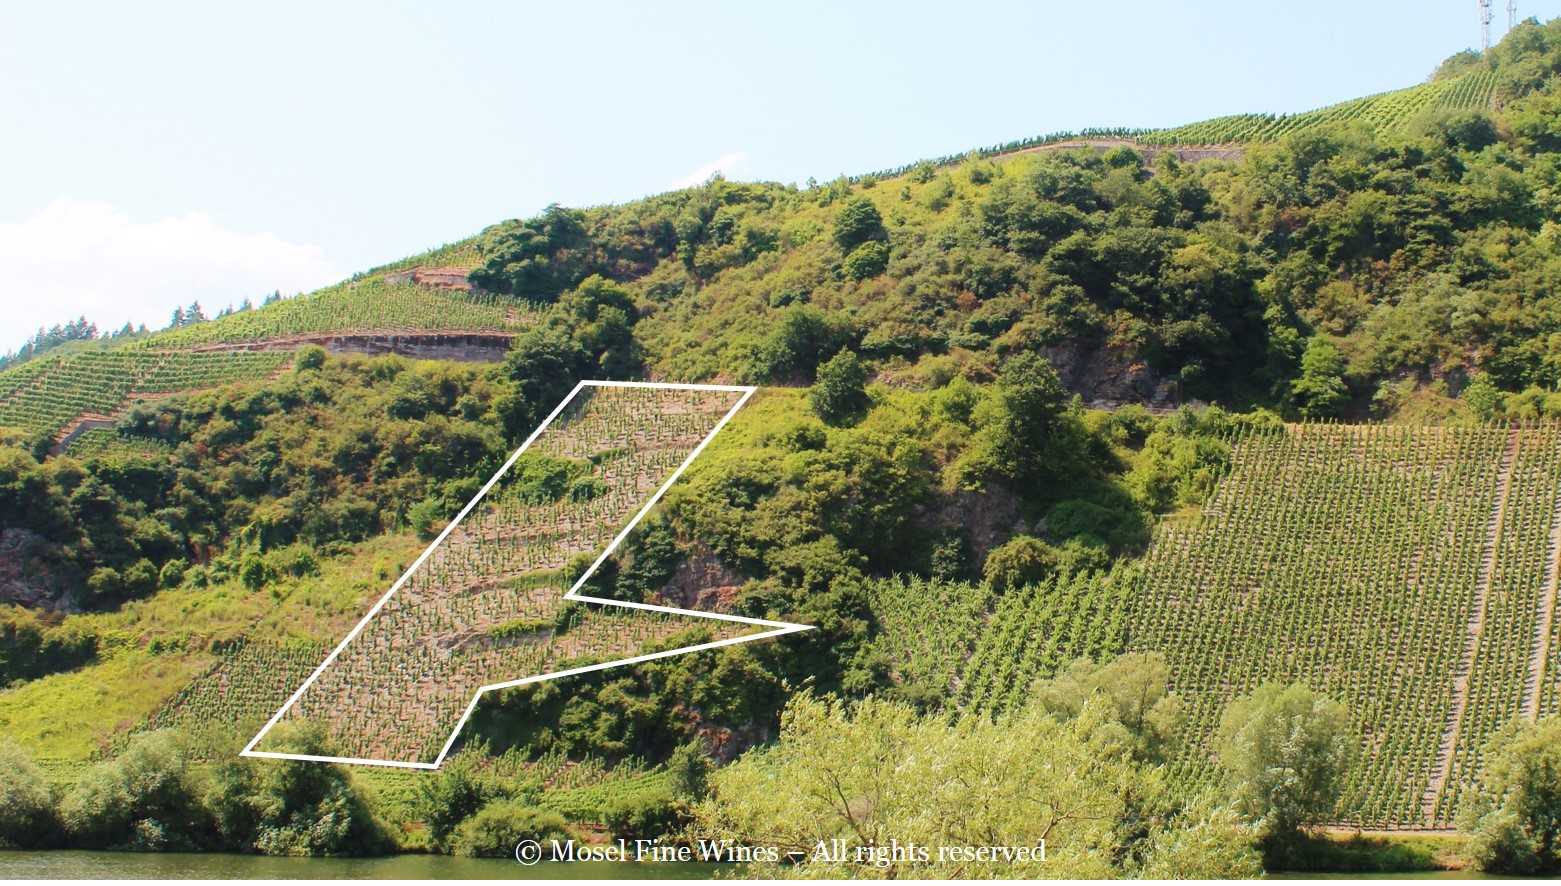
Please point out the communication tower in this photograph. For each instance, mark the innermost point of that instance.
(1485, 24)
(1512, 14)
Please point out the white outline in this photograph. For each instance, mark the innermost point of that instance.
(778, 627)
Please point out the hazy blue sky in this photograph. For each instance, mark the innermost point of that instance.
(156, 153)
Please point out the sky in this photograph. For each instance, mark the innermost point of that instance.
(156, 154)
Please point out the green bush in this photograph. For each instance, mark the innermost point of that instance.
(643, 815)
(294, 807)
(147, 799)
(866, 261)
(497, 827)
(1022, 560)
(27, 816)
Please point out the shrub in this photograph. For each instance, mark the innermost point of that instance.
(1022, 560)
(144, 800)
(841, 390)
(497, 827)
(27, 817)
(866, 261)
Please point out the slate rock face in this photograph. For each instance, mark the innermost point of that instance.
(25, 579)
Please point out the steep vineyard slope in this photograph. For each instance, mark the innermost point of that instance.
(1400, 570)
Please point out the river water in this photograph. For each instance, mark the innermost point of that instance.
(216, 866)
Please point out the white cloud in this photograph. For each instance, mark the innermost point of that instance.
(726, 164)
(77, 258)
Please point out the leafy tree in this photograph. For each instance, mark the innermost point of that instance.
(1482, 397)
(498, 826)
(295, 807)
(536, 259)
(27, 816)
(857, 222)
(1320, 392)
(840, 393)
(147, 799)
(309, 357)
(1022, 560)
(450, 796)
(1286, 751)
(1028, 435)
(866, 261)
(1125, 701)
(1514, 819)
(877, 771)
(544, 364)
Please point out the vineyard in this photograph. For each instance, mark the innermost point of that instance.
(364, 306)
(109, 443)
(1386, 112)
(43, 396)
(241, 689)
(1399, 570)
(985, 650)
(487, 605)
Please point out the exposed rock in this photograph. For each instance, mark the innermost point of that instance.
(988, 518)
(452, 278)
(703, 582)
(1106, 378)
(24, 580)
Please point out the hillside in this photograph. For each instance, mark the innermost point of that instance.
(1258, 400)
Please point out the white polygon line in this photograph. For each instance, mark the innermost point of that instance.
(780, 627)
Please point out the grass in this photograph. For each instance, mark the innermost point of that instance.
(150, 649)
(67, 716)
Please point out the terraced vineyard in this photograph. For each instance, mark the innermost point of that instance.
(1386, 112)
(1403, 571)
(100, 442)
(371, 305)
(242, 688)
(45, 395)
(487, 605)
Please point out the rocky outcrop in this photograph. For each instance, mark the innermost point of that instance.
(24, 578)
(451, 278)
(704, 583)
(1106, 378)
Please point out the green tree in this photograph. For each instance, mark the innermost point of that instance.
(858, 222)
(840, 393)
(295, 807)
(498, 826)
(1126, 702)
(866, 261)
(1481, 396)
(451, 796)
(27, 816)
(1514, 819)
(1022, 560)
(875, 772)
(544, 364)
(1028, 434)
(1286, 751)
(147, 799)
(1320, 392)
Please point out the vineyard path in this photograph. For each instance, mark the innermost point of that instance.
(1540, 651)
(1482, 587)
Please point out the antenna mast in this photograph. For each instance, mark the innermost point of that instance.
(1485, 24)
(1512, 14)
